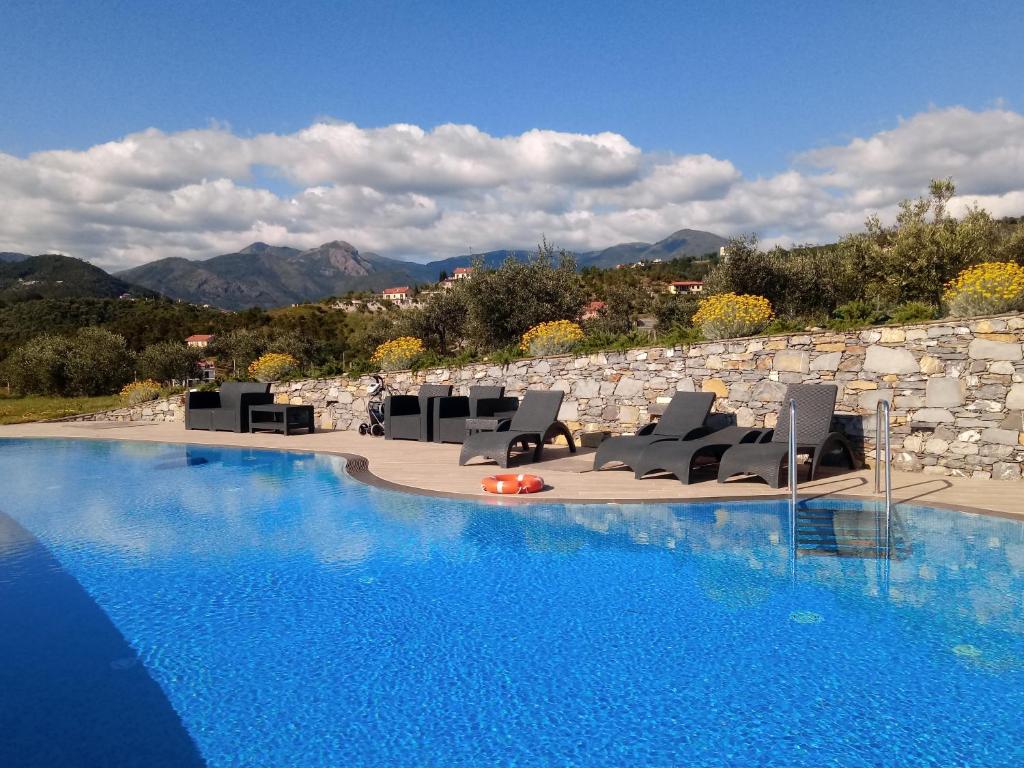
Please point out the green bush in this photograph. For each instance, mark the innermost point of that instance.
(856, 314)
(914, 312)
(168, 361)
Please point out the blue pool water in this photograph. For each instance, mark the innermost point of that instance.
(172, 605)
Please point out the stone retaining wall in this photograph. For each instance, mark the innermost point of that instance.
(168, 409)
(956, 389)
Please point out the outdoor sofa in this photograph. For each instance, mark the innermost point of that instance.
(227, 409)
(408, 417)
(450, 413)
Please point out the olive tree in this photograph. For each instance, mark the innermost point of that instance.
(168, 361)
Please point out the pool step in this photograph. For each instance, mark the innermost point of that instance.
(846, 533)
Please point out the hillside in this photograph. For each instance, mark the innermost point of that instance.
(9, 256)
(273, 276)
(685, 242)
(60, 277)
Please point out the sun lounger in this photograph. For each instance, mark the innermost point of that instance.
(534, 423)
(815, 406)
(684, 418)
(682, 457)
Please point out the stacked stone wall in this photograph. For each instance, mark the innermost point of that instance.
(956, 389)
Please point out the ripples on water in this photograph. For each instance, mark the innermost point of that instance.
(291, 616)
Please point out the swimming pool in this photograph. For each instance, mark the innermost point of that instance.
(175, 605)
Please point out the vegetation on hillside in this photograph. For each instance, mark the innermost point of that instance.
(904, 272)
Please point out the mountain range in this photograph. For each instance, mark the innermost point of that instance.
(268, 276)
(60, 277)
(272, 276)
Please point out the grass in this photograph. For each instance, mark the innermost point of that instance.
(17, 410)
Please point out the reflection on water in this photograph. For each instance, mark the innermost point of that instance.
(365, 627)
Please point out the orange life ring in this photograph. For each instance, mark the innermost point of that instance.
(512, 484)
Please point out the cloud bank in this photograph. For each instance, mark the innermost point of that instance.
(406, 192)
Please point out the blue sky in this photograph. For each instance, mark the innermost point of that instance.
(755, 84)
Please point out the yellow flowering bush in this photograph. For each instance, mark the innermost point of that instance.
(987, 289)
(398, 354)
(272, 366)
(140, 392)
(554, 338)
(730, 315)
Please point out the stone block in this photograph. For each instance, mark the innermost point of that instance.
(833, 346)
(933, 416)
(983, 349)
(1014, 420)
(686, 384)
(944, 392)
(768, 391)
(930, 365)
(890, 360)
(1005, 471)
(860, 384)
(587, 388)
(827, 362)
(628, 387)
(570, 411)
(1015, 398)
(936, 446)
(795, 361)
(719, 387)
(893, 336)
(1000, 436)
(628, 414)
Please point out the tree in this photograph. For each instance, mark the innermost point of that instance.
(168, 361)
(440, 322)
(503, 303)
(39, 366)
(99, 363)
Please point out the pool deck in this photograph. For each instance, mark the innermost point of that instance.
(432, 468)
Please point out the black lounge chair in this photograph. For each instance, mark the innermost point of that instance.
(815, 407)
(534, 423)
(682, 457)
(684, 419)
(227, 409)
(407, 417)
(450, 413)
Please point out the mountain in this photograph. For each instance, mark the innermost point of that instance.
(684, 243)
(271, 276)
(9, 256)
(58, 277)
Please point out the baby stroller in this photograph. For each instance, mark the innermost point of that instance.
(377, 391)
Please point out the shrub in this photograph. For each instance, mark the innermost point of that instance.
(99, 363)
(39, 366)
(168, 361)
(398, 354)
(856, 314)
(140, 392)
(729, 315)
(272, 366)
(914, 312)
(555, 338)
(987, 289)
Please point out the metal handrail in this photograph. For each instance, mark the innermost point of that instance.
(793, 497)
(883, 461)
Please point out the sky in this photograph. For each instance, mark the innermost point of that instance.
(133, 130)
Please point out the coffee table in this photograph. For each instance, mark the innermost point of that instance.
(281, 418)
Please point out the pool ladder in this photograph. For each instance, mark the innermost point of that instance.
(821, 531)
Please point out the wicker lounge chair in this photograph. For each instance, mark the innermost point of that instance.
(450, 413)
(407, 417)
(815, 406)
(227, 409)
(682, 457)
(684, 419)
(535, 423)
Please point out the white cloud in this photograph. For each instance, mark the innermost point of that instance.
(404, 191)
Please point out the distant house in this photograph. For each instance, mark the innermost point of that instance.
(447, 284)
(592, 310)
(462, 273)
(399, 295)
(686, 286)
(199, 340)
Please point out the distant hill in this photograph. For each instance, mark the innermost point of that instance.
(9, 256)
(684, 243)
(272, 276)
(58, 277)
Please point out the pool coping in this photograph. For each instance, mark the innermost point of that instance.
(358, 468)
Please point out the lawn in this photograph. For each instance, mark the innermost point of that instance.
(15, 410)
